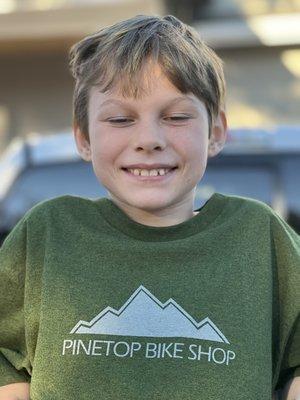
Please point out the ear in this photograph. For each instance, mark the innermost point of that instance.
(82, 143)
(218, 135)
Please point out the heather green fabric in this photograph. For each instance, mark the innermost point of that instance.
(96, 306)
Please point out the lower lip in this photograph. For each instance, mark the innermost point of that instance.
(158, 178)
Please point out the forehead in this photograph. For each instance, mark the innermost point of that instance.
(141, 83)
(150, 85)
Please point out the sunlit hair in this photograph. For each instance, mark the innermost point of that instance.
(116, 57)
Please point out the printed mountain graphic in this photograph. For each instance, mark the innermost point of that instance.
(144, 315)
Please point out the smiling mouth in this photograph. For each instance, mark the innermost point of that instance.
(149, 172)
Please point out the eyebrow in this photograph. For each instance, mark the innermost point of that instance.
(173, 101)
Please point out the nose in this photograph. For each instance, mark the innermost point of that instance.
(149, 136)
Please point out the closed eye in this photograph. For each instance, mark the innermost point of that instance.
(120, 120)
(174, 118)
(178, 118)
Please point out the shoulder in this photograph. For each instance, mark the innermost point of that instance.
(58, 206)
(258, 211)
(257, 221)
(264, 217)
(247, 207)
(57, 213)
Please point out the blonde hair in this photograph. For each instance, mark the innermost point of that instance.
(116, 56)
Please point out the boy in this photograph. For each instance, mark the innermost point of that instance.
(139, 296)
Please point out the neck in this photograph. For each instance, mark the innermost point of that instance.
(173, 215)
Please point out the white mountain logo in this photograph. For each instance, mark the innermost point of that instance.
(144, 315)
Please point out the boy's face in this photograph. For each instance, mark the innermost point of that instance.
(150, 152)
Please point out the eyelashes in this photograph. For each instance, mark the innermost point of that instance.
(127, 121)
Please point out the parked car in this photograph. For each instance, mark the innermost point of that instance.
(255, 163)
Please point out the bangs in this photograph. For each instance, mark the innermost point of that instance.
(128, 73)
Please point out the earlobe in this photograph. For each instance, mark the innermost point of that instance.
(218, 134)
(85, 153)
(82, 144)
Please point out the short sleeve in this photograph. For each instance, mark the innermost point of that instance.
(286, 302)
(14, 363)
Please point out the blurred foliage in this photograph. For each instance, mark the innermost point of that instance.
(191, 10)
(187, 10)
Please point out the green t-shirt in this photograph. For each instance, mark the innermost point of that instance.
(96, 306)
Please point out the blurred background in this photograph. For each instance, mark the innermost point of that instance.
(259, 41)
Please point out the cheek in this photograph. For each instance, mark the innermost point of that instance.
(193, 147)
(105, 147)
(106, 158)
(194, 151)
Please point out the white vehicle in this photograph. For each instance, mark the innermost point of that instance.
(255, 163)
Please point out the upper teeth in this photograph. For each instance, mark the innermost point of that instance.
(149, 172)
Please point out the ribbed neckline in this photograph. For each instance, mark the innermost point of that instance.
(120, 221)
